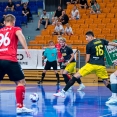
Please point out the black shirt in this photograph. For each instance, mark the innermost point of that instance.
(82, 2)
(66, 53)
(65, 18)
(96, 50)
(26, 10)
(58, 13)
(10, 4)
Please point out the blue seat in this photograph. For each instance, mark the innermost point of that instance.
(18, 23)
(19, 18)
(18, 8)
(39, 4)
(24, 20)
(32, 3)
(34, 9)
(19, 13)
(1, 13)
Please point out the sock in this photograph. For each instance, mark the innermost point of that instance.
(113, 81)
(58, 79)
(109, 86)
(43, 75)
(70, 83)
(20, 95)
(79, 81)
(114, 88)
(66, 78)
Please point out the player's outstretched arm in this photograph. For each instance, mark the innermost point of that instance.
(112, 43)
(22, 41)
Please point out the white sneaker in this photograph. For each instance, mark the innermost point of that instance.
(111, 101)
(60, 94)
(110, 97)
(81, 87)
(81, 94)
(23, 110)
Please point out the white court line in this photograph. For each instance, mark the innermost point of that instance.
(106, 115)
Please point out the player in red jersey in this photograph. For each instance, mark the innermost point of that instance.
(58, 47)
(9, 36)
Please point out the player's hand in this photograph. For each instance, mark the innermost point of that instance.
(66, 64)
(28, 54)
(115, 63)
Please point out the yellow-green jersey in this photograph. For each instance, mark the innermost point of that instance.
(96, 50)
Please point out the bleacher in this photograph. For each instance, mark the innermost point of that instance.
(103, 25)
(33, 5)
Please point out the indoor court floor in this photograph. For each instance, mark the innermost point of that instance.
(87, 103)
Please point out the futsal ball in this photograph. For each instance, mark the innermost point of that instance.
(34, 97)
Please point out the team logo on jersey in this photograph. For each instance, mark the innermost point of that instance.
(64, 54)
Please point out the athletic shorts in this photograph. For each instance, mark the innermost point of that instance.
(71, 68)
(51, 64)
(99, 70)
(12, 69)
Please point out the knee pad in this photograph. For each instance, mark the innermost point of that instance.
(113, 79)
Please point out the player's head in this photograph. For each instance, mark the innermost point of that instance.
(44, 12)
(51, 43)
(89, 35)
(62, 42)
(9, 20)
(59, 37)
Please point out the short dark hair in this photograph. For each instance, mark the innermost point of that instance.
(90, 33)
(44, 10)
(51, 41)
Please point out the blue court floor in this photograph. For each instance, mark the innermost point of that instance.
(87, 103)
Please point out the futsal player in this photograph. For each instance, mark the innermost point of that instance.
(69, 64)
(51, 55)
(9, 36)
(58, 47)
(113, 81)
(94, 63)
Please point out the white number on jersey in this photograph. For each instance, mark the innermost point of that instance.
(4, 39)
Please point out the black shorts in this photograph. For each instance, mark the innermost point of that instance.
(51, 64)
(12, 69)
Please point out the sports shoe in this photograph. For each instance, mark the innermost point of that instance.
(81, 94)
(60, 94)
(111, 101)
(39, 82)
(81, 87)
(23, 110)
(110, 97)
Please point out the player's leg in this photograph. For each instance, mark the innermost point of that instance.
(71, 68)
(15, 74)
(47, 67)
(113, 83)
(101, 72)
(88, 68)
(54, 65)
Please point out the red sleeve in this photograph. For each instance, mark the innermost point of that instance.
(16, 29)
